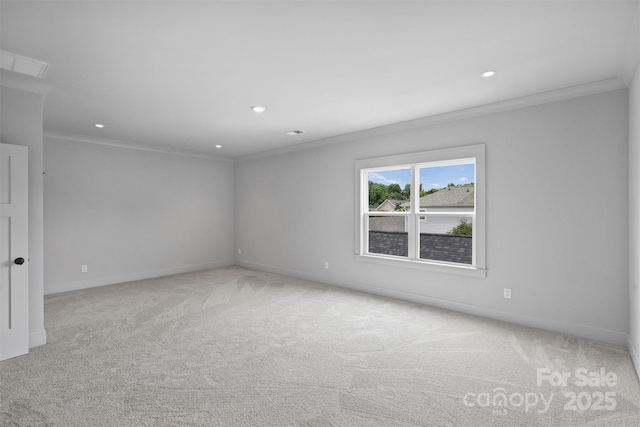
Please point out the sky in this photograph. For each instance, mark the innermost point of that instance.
(432, 177)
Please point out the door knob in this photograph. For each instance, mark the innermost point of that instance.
(19, 261)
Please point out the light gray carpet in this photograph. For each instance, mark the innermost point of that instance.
(235, 347)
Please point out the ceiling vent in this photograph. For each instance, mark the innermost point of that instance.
(23, 65)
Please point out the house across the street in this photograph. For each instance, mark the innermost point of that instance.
(456, 201)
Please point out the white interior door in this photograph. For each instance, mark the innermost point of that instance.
(14, 269)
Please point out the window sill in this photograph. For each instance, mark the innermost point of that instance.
(424, 265)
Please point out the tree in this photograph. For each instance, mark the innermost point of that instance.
(377, 194)
(464, 228)
(406, 193)
(422, 192)
(394, 192)
(394, 188)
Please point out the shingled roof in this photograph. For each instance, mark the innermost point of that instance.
(435, 247)
(449, 197)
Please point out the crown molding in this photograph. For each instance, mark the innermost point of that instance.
(472, 112)
(131, 145)
(467, 113)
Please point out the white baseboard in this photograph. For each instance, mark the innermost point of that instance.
(578, 330)
(634, 355)
(36, 339)
(103, 281)
(293, 273)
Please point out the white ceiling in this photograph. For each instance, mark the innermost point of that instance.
(184, 74)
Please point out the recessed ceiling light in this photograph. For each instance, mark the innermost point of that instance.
(295, 132)
(489, 73)
(99, 125)
(258, 109)
(218, 146)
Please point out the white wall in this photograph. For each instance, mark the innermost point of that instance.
(553, 172)
(634, 218)
(130, 214)
(21, 101)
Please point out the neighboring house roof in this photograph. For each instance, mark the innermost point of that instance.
(449, 197)
(435, 247)
(391, 203)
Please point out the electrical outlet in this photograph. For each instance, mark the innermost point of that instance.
(326, 264)
(239, 251)
(84, 269)
(507, 293)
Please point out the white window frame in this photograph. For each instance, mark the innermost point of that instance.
(414, 161)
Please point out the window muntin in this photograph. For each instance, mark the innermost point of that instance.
(433, 234)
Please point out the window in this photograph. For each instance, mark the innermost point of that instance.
(423, 210)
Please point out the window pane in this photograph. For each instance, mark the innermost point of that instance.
(451, 186)
(446, 238)
(448, 191)
(389, 190)
(388, 235)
